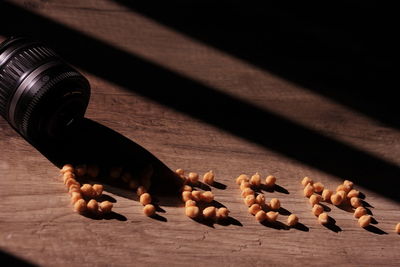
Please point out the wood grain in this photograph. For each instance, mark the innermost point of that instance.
(38, 225)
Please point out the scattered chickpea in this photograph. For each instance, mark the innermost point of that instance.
(80, 206)
(255, 180)
(74, 188)
(270, 181)
(209, 212)
(364, 220)
(272, 216)
(87, 190)
(360, 211)
(261, 216)
(98, 188)
(253, 209)
(247, 191)
(190, 203)
(115, 172)
(106, 206)
(208, 178)
(244, 185)
(149, 210)
(318, 187)
(192, 211)
(133, 184)
(317, 209)
(323, 218)
(348, 183)
(326, 195)
(260, 199)
(81, 170)
(92, 206)
(193, 177)
(75, 196)
(306, 180)
(242, 177)
(93, 171)
(308, 190)
(315, 199)
(186, 195)
(207, 196)
(353, 193)
(249, 200)
(145, 199)
(292, 220)
(343, 187)
(342, 193)
(126, 177)
(68, 175)
(187, 188)
(180, 172)
(274, 204)
(355, 202)
(141, 190)
(67, 167)
(222, 213)
(70, 182)
(397, 228)
(336, 199)
(196, 195)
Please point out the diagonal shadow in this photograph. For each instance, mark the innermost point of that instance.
(226, 112)
(342, 53)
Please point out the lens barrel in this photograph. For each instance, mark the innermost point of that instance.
(40, 94)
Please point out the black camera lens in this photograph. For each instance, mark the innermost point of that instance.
(40, 94)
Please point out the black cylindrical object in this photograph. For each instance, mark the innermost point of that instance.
(40, 94)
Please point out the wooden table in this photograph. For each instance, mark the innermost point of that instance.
(203, 91)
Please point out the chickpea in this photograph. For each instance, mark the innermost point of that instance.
(74, 188)
(196, 195)
(187, 188)
(106, 206)
(272, 216)
(242, 177)
(145, 199)
(81, 170)
(186, 195)
(207, 196)
(192, 211)
(255, 180)
(222, 213)
(260, 199)
(92, 206)
(342, 193)
(270, 181)
(336, 199)
(126, 177)
(315, 199)
(306, 180)
(364, 220)
(397, 228)
(249, 200)
(133, 184)
(348, 183)
(98, 188)
(247, 191)
(66, 168)
(180, 172)
(141, 190)
(261, 216)
(80, 206)
(208, 178)
(93, 171)
(292, 220)
(323, 218)
(193, 177)
(326, 195)
(308, 190)
(87, 190)
(353, 193)
(75, 196)
(254, 209)
(360, 211)
(317, 209)
(318, 187)
(343, 187)
(274, 204)
(70, 182)
(190, 203)
(209, 212)
(68, 175)
(355, 202)
(244, 185)
(149, 210)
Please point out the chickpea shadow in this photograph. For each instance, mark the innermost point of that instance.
(375, 230)
(284, 211)
(366, 204)
(219, 185)
(331, 225)
(158, 217)
(109, 216)
(326, 208)
(275, 225)
(301, 227)
(275, 188)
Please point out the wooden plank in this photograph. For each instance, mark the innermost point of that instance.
(37, 223)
